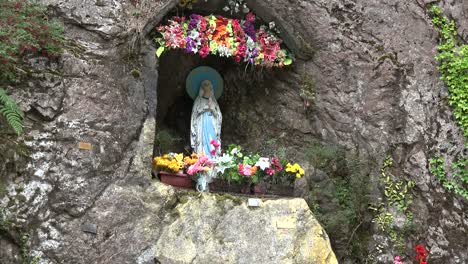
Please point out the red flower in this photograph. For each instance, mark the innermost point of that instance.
(213, 151)
(269, 171)
(421, 254)
(277, 164)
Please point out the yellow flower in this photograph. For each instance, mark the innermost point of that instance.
(296, 169)
(172, 162)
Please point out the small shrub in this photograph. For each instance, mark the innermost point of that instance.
(25, 29)
(308, 92)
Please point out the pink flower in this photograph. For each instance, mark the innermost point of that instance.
(213, 152)
(215, 143)
(250, 17)
(397, 260)
(204, 51)
(247, 170)
(203, 164)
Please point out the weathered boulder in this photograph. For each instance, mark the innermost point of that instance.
(221, 229)
(156, 224)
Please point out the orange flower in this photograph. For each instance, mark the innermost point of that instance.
(254, 170)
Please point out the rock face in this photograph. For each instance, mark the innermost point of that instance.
(378, 93)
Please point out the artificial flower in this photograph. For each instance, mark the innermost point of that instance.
(223, 162)
(296, 169)
(421, 254)
(215, 143)
(247, 170)
(203, 164)
(250, 17)
(172, 162)
(263, 163)
(224, 37)
(276, 163)
(397, 260)
(269, 171)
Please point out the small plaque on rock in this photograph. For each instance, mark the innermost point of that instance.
(254, 202)
(85, 146)
(89, 228)
(286, 223)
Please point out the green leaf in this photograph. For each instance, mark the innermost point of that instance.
(159, 51)
(288, 61)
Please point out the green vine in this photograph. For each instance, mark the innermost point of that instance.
(459, 179)
(453, 66)
(11, 112)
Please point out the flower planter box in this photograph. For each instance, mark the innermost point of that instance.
(224, 186)
(181, 180)
(280, 190)
(259, 189)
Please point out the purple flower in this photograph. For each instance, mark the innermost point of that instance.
(194, 19)
(250, 30)
(190, 44)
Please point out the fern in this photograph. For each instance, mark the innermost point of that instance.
(11, 112)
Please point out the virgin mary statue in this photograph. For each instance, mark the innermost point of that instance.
(205, 127)
(206, 121)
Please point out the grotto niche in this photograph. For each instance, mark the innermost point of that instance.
(246, 80)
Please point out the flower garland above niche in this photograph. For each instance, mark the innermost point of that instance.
(225, 37)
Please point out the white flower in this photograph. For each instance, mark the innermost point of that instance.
(234, 151)
(224, 162)
(194, 34)
(224, 51)
(272, 25)
(263, 163)
(226, 158)
(250, 43)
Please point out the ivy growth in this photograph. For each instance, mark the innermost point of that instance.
(453, 66)
(459, 179)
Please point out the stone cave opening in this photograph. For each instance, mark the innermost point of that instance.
(244, 85)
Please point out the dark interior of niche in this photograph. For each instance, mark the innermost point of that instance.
(174, 106)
